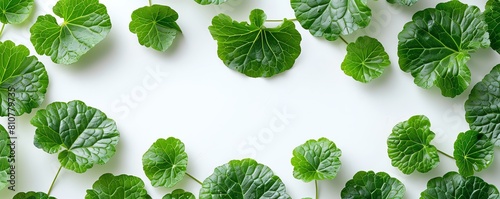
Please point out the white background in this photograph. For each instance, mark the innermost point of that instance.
(217, 112)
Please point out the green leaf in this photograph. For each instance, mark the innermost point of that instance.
(435, 46)
(481, 109)
(4, 157)
(332, 18)
(403, 2)
(165, 162)
(316, 160)
(86, 23)
(243, 179)
(373, 185)
(207, 2)
(15, 11)
(253, 49)
(492, 18)
(84, 135)
(32, 195)
(473, 152)
(409, 146)
(366, 59)
(123, 187)
(179, 194)
(155, 26)
(453, 185)
(24, 80)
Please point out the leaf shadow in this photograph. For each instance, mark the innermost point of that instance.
(95, 55)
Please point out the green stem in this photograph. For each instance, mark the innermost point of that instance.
(280, 20)
(1, 31)
(53, 181)
(445, 154)
(150, 3)
(198, 181)
(317, 192)
(344, 40)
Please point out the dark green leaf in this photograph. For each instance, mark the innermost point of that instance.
(179, 194)
(453, 185)
(409, 146)
(253, 49)
(492, 18)
(84, 134)
(32, 195)
(403, 2)
(473, 152)
(165, 162)
(243, 179)
(481, 109)
(316, 160)
(373, 185)
(120, 187)
(206, 2)
(155, 26)
(332, 18)
(15, 11)
(24, 80)
(435, 46)
(4, 157)
(366, 59)
(86, 23)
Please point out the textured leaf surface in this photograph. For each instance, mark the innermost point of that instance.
(316, 160)
(473, 152)
(83, 135)
(253, 49)
(123, 187)
(15, 11)
(179, 194)
(453, 185)
(4, 157)
(32, 195)
(403, 2)
(492, 18)
(373, 185)
(207, 2)
(366, 59)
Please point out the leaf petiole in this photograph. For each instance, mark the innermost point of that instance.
(317, 192)
(150, 2)
(280, 20)
(345, 41)
(53, 181)
(198, 181)
(1, 30)
(445, 154)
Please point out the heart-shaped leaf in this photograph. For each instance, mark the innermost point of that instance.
(316, 160)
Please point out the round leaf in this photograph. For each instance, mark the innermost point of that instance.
(253, 49)
(373, 185)
(435, 46)
(32, 195)
(403, 2)
(84, 134)
(4, 157)
(243, 179)
(409, 146)
(165, 162)
(24, 81)
(332, 18)
(179, 194)
(316, 160)
(123, 187)
(481, 109)
(366, 59)
(473, 152)
(15, 11)
(86, 23)
(492, 18)
(155, 26)
(453, 185)
(207, 2)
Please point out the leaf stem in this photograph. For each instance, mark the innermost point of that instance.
(317, 192)
(198, 181)
(53, 181)
(445, 154)
(150, 2)
(1, 31)
(279, 20)
(345, 41)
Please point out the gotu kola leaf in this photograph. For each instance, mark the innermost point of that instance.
(409, 146)
(155, 26)
(86, 23)
(84, 135)
(435, 46)
(24, 80)
(165, 162)
(492, 18)
(473, 152)
(5, 155)
(253, 49)
(15, 11)
(243, 179)
(403, 2)
(332, 18)
(123, 186)
(453, 185)
(316, 160)
(179, 194)
(373, 185)
(207, 2)
(366, 59)
(32, 195)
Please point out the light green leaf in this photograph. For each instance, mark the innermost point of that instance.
(366, 59)
(481, 109)
(373, 185)
(243, 179)
(15, 11)
(403, 2)
(492, 18)
(86, 23)
(179, 194)
(4, 157)
(155, 26)
(24, 80)
(316, 160)
(253, 49)
(473, 152)
(207, 2)
(120, 187)
(84, 135)
(453, 185)
(32, 195)
(436, 46)
(165, 162)
(409, 146)
(332, 18)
